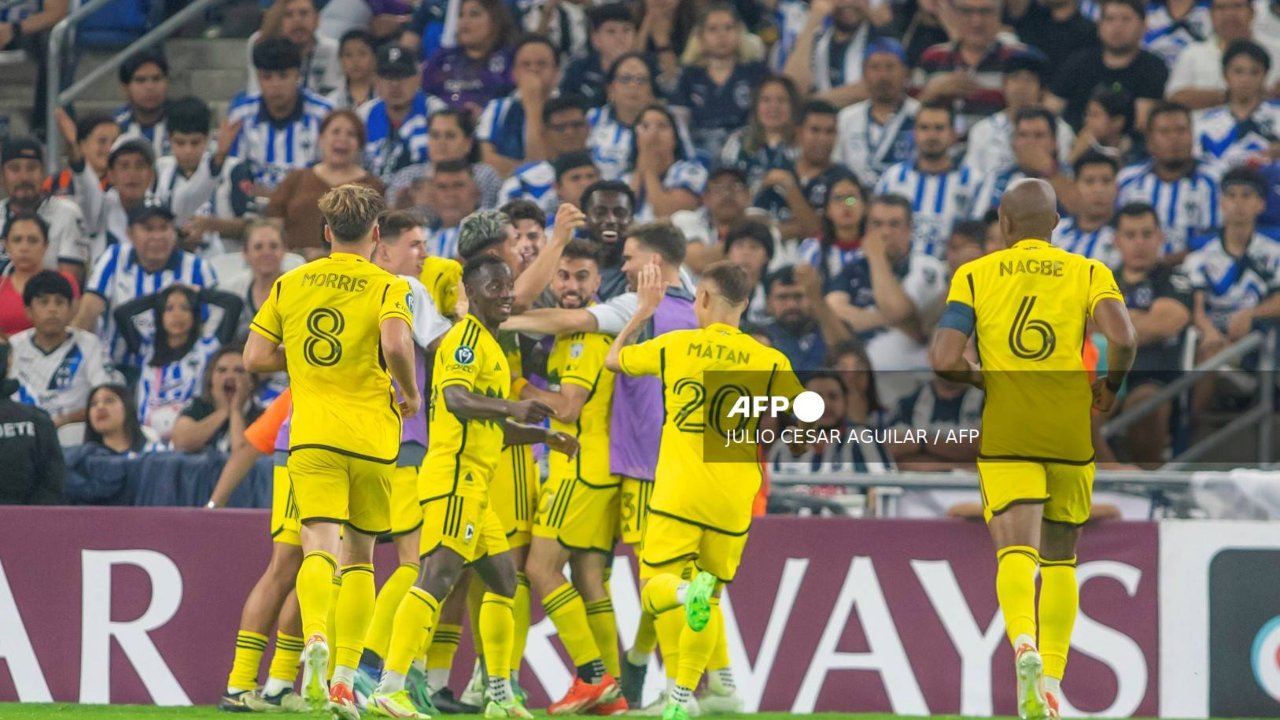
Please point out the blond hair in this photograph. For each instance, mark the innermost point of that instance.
(351, 211)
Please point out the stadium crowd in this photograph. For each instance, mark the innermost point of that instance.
(849, 154)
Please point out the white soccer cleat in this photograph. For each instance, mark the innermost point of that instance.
(714, 701)
(1032, 704)
(656, 708)
(474, 694)
(315, 670)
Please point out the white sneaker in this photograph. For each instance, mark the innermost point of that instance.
(716, 701)
(1032, 704)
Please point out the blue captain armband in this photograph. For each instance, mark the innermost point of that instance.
(958, 316)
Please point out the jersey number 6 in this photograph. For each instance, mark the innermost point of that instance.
(1023, 326)
(323, 348)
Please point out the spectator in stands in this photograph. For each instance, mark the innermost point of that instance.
(663, 176)
(938, 406)
(1159, 301)
(941, 193)
(564, 123)
(144, 79)
(1120, 62)
(359, 62)
(862, 404)
(1246, 127)
(264, 254)
(113, 421)
(1089, 231)
(148, 263)
(842, 223)
(802, 326)
(1182, 189)
(1036, 144)
(995, 236)
(32, 459)
(280, 126)
(210, 190)
(21, 172)
(827, 59)
(295, 200)
(796, 201)
(564, 24)
(887, 293)
(968, 242)
(631, 90)
(1172, 25)
(218, 416)
(55, 363)
(1266, 31)
(396, 122)
(767, 142)
(1056, 27)
(575, 172)
(750, 246)
(877, 132)
(478, 69)
(531, 229)
(25, 26)
(452, 197)
(297, 21)
(666, 27)
(26, 242)
(131, 175)
(613, 32)
(990, 149)
(1197, 77)
(88, 139)
(967, 71)
(512, 129)
(1108, 126)
(176, 358)
(724, 204)
(824, 444)
(719, 73)
(451, 135)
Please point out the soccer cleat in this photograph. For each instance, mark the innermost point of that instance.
(617, 706)
(1032, 704)
(674, 711)
(342, 702)
(659, 706)
(416, 683)
(285, 701)
(315, 668)
(394, 705)
(1053, 705)
(237, 702)
(513, 709)
(475, 693)
(633, 681)
(697, 601)
(583, 696)
(447, 704)
(365, 683)
(712, 702)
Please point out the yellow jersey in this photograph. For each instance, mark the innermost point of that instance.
(1029, 305)
(462, 453)
(328, 315)
(704, 373)
(578, 359)
(441, 276)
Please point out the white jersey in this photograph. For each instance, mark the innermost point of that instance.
(428, 323)
(532, 181)
(1099, 244)
(683, 174)
(60, 381)
(609, 142)
(205, 194)
(1230, 284)
(321, 71)
(938, 201)
(1225, 141)
(990, 149)
(867, 147)
(275, 148)
(68, 239)
(1186, 207)
(1167, 38)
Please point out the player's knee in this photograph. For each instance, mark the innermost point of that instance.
(439, 573)
(1058, 541)
(285, 563)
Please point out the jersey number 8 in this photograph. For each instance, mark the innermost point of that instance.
(323, 347)
(1024, 326)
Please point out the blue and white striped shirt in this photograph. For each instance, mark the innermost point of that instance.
(938, 201)
(277, 146)
(1167, 37)
(1099, 244)
(157, 135)
(609, 142)
(1186, 207)
(1231, 283)
(1225, 141)
(442, 242)
(532, 181)
(502, 125)
(391, 149)
(683, 174)
(164, 391)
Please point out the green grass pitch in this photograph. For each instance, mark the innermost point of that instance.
(126, 712)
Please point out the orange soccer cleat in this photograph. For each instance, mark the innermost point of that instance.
(583, 696)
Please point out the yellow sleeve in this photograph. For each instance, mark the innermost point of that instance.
(1102, 285)
(459, 356)
(643, 358)
(441, 276)
(397, 301)
(586, 360)
(785, 382)
(962, 287)
(267, 322)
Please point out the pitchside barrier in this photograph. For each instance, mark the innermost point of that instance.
(1178, 618)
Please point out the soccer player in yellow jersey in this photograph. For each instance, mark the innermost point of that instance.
(1029, 307)
(700, 511)
(470, 419)
(579, 497)
(338, 325)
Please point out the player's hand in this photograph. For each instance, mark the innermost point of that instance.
(1103, 397)
(568, 219)
(563, 443)
(531, 412)
(650, 288)
(410, 404)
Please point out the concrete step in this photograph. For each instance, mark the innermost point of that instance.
(207, 54)
(209, 85)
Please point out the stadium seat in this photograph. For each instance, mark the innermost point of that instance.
(117, 24)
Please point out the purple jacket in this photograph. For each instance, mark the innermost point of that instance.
(458, 80)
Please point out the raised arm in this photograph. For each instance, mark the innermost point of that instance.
(124, 316)
(551, 321)
(231, 306)
(650, 291)
(539, 273)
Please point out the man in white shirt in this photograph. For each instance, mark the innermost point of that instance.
(1196, 78)
(21, 175)
(877, 132)
(298, 21)
(990, 149)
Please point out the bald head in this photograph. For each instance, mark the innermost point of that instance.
(1029, 209)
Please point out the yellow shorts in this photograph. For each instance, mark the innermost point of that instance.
(285, 527)
(465, 525)
(578, 515)
(406, 513)
(340, 488)
(633, 509)
(670, 544)
(513, 493)
(1065, 490)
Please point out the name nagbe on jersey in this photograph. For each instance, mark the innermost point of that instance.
(718, 352)
(1031, 267)
(337, 281)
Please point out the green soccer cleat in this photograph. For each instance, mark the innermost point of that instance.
(1032, 704)
(675, 711)
(416, 683)
(394, 705)
(697, 601)
(513, 709)
(315, 670)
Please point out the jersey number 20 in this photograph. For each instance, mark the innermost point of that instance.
(323, 348)
(1021, 342)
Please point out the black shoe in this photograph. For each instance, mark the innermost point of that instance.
(633, 681)
(235, 702)
(446, 703)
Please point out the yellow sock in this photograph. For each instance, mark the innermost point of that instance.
(355, 609)
(475, 596)
(565, 608)
(646, 633)
(444, 645)
(315, 592)
(520, 611)
(1016, 589)
(720, 655)
(244, 668)
(696, 649)
(660, 593)
(604, 628)
(284, 663)
(413, 622)
(1059, 603)
(497, 627)
(384, 608)
(670, 627)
